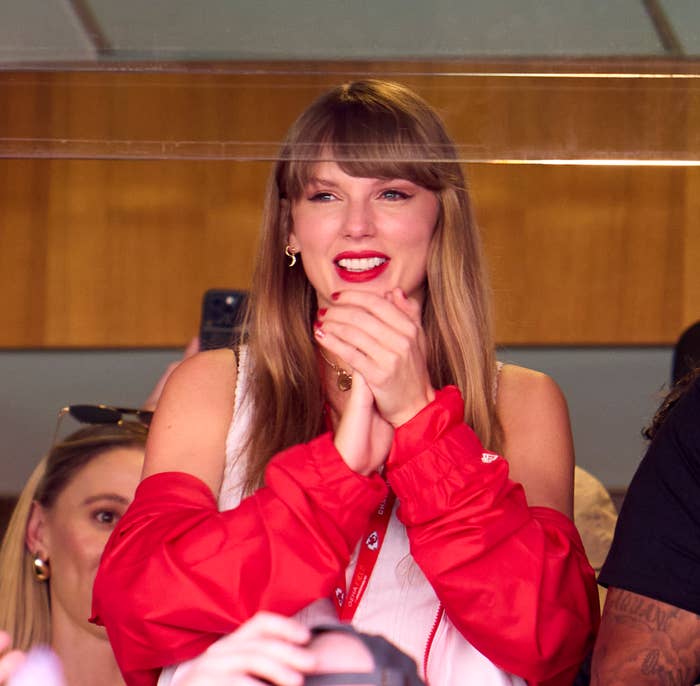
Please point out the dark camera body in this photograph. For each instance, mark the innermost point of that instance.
(222, 316)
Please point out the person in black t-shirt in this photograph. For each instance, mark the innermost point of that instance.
(650, 630)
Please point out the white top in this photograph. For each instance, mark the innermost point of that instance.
(399, 603)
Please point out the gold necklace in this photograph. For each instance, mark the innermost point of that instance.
(344, 379)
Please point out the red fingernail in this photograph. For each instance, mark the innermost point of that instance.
(335, 296)
(322, 311)
(317, 324)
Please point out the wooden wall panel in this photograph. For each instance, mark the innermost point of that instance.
(691, 227)
(583, 255)
(123, 250)
(23, 251)
(691, 250)
(116, 251)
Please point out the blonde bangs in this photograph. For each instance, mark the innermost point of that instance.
(375, 160)
(370, 137)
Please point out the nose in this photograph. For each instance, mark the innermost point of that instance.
(359, 219)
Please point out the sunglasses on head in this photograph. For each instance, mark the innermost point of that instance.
(101, 414)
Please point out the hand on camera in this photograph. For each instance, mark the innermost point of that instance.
(267, 647)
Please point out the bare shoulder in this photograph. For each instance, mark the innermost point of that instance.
(189, 428)
(199, 384)
(537, 436)
(207, 367)
(645, 641)
(524, 393)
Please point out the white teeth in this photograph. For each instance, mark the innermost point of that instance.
(362, 264)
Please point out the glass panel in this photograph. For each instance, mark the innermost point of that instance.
(514, 113)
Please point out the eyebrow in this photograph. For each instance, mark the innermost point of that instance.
(322, 182)
(327, 182)
(106, 496)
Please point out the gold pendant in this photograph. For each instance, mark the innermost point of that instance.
(344, 380)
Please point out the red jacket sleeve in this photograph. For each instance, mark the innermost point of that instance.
(177, 574)
(513, 579)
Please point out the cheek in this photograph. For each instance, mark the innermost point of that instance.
(76, 550)
(426, 225)
(315, 229)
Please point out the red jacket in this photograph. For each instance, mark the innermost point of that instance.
(177, 574)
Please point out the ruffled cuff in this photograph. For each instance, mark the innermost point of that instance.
(422, 431)
(321, 475)
(334, 474)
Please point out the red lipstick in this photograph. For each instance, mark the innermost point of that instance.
(360, 266)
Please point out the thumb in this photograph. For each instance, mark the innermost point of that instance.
(360, 393)
(408, 306)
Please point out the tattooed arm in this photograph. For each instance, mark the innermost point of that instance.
(645, 641)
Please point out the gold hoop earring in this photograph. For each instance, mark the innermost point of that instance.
(42, 569)
(291, 254)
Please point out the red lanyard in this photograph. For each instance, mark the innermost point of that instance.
(346, 603)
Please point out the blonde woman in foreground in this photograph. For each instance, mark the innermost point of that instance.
(363, 444)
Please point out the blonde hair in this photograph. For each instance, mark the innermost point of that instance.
(25, 604)
(381, 130)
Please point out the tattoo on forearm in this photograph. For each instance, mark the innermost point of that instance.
(644, 641)
(656, 666)
(655, 615)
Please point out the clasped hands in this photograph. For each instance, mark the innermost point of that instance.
(381, 339)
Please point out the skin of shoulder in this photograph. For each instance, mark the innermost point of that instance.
(537, 443)
(645, 641)
(189, 429)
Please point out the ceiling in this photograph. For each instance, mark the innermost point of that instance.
(93, 31)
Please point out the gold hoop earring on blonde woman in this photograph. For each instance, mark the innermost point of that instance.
(291, 254)
(42, 569)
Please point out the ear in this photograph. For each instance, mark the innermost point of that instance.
(37, 535)
(287, 223)
(292, 242)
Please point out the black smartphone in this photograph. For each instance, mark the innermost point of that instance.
(222, 316)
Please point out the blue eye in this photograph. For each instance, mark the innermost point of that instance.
(393, 194)
(321, 197)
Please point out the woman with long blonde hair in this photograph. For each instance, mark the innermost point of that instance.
(363, 444)
(52, 546)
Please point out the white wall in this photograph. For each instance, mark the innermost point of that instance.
(612, 394)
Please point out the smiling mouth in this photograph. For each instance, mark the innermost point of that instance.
(361, 264)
